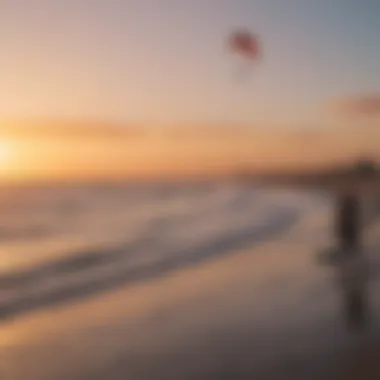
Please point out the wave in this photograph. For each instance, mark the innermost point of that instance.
(168, 243)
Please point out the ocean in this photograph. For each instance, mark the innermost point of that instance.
(60, 243)
(201, 280)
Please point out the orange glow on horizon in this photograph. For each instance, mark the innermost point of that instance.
(78, 157)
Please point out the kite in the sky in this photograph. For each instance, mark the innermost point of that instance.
(246, 46)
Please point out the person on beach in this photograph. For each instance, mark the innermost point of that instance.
(350, 268)
(348, 219)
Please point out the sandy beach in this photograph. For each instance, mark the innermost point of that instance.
(270, 312)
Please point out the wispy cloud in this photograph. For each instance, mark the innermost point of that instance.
(66, 130)
(360, 105)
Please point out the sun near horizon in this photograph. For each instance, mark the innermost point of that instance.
(7, 152)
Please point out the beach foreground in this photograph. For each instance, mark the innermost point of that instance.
(270, 312)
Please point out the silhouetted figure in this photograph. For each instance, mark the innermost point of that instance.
(348, 224)
(351, 266)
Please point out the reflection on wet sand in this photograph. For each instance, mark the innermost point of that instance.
(352, 276)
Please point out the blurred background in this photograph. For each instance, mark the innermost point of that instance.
(170, 175)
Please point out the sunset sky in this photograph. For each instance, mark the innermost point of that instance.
(110, 87)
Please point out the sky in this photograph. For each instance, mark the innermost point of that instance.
(163, 63)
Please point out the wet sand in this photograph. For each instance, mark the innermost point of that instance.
(270, 312)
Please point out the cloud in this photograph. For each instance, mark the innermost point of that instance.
(66, 130)
(362, 105)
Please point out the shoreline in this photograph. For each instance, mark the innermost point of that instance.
(268, 312)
